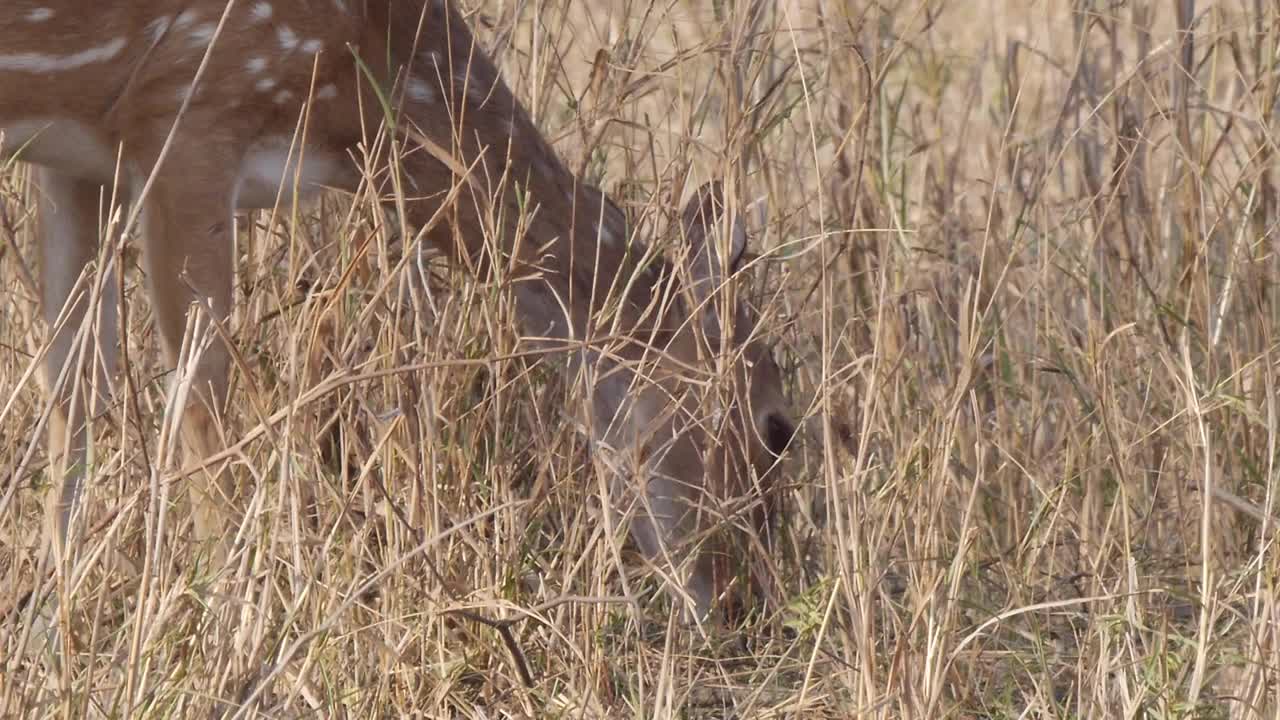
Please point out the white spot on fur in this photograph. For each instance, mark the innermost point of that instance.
(341, 5)
(201, 36)
(282, 97)
(41, 63)
(157, 28)
(39, 15)
(265, 84)
(260, 12)
(312, 47)
(287, 37)
(185, 19)
(256, 64)
(328, 92)
(420, 91)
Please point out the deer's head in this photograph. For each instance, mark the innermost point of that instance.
(706, 420)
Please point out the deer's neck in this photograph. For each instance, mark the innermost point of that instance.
(547, 222)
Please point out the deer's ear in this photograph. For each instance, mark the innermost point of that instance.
(717, 243)
(705, 224)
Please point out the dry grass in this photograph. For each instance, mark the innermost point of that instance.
(1020, 270)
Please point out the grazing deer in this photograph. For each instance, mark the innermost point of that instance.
(193, 107)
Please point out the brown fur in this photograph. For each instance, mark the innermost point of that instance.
(112, 76)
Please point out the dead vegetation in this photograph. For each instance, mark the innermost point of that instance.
(1018, 261)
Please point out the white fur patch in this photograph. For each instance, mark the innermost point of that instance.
(201, 36)
(420, 91)
(43, 63)
(261, 12)
(185, 19)
(287, 37)
(74, 148)
(269, 169)
(157, 28)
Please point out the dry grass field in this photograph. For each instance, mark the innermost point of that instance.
(1018, 263)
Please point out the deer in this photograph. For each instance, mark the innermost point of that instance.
(192, 108)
